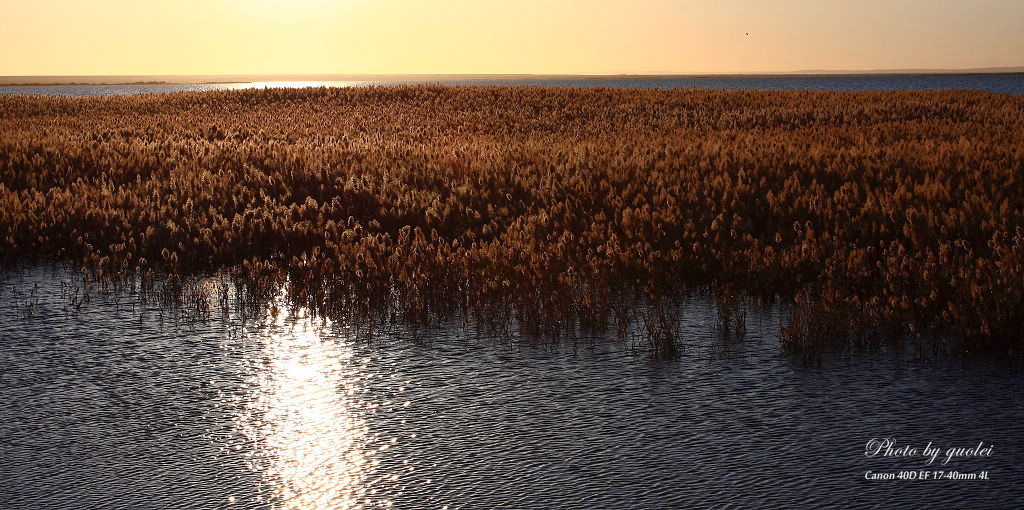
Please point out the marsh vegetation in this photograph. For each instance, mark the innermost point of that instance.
(546, 212)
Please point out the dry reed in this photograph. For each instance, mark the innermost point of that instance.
(546, 211)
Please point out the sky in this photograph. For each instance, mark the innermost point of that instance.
(207, 37)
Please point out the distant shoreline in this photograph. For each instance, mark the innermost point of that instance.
(93, 84)
(73, 83)
(50, 81)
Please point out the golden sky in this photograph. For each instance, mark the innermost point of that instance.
(136, 37)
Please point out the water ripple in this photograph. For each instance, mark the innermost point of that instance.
(107, 410)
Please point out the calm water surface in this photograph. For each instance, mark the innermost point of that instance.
(122, 405)
(1001, 83)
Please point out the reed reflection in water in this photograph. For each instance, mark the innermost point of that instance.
(111, 408)
(302, 410)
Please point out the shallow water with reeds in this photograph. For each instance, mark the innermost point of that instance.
(122, 403)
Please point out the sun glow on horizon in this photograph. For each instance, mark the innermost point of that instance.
(223, 37)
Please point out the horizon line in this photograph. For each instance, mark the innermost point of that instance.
(983, 70)
(94, 79)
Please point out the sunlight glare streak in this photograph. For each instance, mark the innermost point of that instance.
(303, 418)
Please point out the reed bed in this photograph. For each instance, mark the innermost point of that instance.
(545, 212)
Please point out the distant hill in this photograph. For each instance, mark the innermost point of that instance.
(977, 70)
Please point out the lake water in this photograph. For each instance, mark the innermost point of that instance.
(120, 404)
(1001, 83)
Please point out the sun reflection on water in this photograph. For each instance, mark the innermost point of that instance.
(296, 84)
(304, 418)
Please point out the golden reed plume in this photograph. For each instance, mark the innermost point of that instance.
(880, 213)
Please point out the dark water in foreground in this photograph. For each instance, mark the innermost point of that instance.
(111, 407)
(1000, 83)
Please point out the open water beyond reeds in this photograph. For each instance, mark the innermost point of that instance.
(120, 403)
(999, 83)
